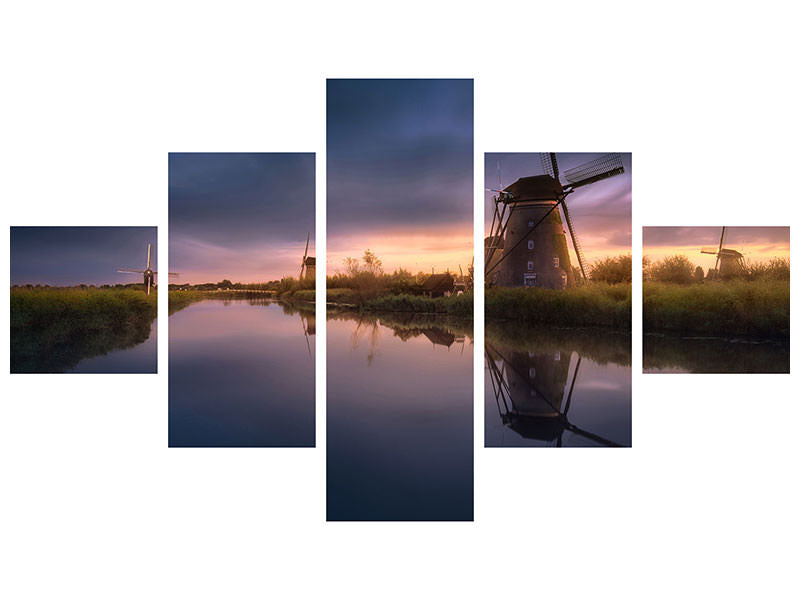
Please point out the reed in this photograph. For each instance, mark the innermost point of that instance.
(592, 305)
(727, 308)
(52, 329)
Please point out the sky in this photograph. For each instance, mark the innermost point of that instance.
(756, 243)
(600, 212)
(237, 216)
(400, 172)
(80, 255)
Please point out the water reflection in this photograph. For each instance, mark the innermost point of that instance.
(241, 375)
(399, 418)
(141, 358)
(557, 387)
(673, 354)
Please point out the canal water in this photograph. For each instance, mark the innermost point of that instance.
(141, 358)
(557, 387)
(241, 374)
(399, 419)
(697, 354)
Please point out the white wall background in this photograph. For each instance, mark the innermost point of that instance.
(94, 505)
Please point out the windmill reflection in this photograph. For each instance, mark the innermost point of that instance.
(533, 392)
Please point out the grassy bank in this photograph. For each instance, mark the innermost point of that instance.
(734, 308)
(52, 329)
(457, 306)
(593, 305)
(180, 299)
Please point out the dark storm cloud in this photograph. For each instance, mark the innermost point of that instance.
(76, 255)
(399, 153)
(601, 211)
(234, 199)
(240, 216)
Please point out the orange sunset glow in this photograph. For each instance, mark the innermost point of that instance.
(758, 244)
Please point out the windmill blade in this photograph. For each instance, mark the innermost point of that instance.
(575, 243)
(719, 251)
(549, 164)
(130, 271)
(305, 255)
(598, 169)
(148, 286)
(148, 256)
(708, 250)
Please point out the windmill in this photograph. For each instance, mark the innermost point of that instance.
(149, 274)
(527, 245)
(730, 262)
(308, 265)
(533, 393)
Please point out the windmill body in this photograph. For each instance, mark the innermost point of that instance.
(148, 275)
(534, 256)
(527, 246)
(308, 264)
(730, 262)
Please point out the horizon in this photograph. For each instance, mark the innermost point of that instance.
(757, 244)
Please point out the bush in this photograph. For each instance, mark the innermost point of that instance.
(612, 270)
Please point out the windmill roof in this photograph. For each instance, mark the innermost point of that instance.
(537, 187)
(311, 260)
(439, 281)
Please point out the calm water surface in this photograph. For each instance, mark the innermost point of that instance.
(142, 358)
(241, 375)
(673, 354)
(399, 420)
(557, 388)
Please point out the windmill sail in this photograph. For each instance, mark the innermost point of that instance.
(575, 243)
(601, 168)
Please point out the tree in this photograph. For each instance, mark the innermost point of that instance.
(673, 269)
(612, 269)
(699, 276)
(351, 266)
(372, 264)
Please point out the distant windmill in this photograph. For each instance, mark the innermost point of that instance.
(308, 266)
(730, 262)
(527, 245)
(149, 274)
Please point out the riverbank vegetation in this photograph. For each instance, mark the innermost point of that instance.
(54, 328)
(590, 305)
(680, 298)
(722, 308)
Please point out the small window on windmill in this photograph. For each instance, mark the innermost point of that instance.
(557, 356)
(531, 373)
(529, 280)
(555, 262)
(530, 265)
(530, 223)
(530, 244)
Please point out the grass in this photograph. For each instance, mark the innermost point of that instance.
(732, 308)
(180, 299)
(592, 305)
(52, 329)
(457, 306)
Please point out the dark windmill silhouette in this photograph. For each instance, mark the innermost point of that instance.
(730, 262)
(308, 265)
(527, 245)
(533, 392)
(148, 273)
